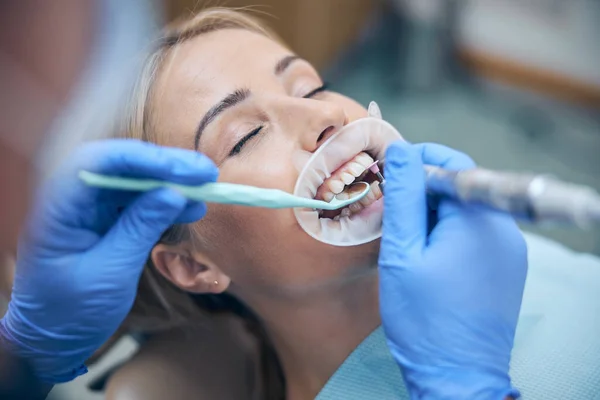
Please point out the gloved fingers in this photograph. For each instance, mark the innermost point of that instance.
(143, 222)
(405, 208)
(135, 158)
(77, 204)
(441, 156)
(114, 202)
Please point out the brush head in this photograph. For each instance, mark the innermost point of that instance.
(374, 168)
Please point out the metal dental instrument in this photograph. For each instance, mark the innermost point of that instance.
(374, 168)
(225, 193)
(537, 199)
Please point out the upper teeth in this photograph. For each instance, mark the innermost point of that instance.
(345, 175)
(336, 186)
(356, 168)
(347, 178)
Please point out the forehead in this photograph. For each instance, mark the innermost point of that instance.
(204, 69)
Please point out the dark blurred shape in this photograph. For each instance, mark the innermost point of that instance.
(43, 47)
(17, 381)
(427, 43)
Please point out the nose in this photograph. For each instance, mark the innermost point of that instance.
(311, 121)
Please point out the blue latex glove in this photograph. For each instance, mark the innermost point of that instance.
(449, 299)
(84, 249)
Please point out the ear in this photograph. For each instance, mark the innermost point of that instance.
(190, 271)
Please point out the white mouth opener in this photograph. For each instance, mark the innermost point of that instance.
(224, 193)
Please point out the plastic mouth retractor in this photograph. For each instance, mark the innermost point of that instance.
(369, 135)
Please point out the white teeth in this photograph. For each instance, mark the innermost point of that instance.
(376, 190)
(352, 170)
(335, 185)
(347, 178)
(364, 159)
(354, 207)
(342, 196)
(368, 199)
(373, 195)
(328, 196)
(356, 169)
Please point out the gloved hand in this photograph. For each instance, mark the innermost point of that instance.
(449, 299)
(84, 249)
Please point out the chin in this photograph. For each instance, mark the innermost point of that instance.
(346, 260)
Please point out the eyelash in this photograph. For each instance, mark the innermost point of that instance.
(324, 87)
(239, 145)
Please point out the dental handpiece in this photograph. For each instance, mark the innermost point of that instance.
(537, 199)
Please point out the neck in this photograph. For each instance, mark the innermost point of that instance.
(314, 335)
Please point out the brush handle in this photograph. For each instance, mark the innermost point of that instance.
(218, 192)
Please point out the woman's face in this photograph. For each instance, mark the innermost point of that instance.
(254, 108)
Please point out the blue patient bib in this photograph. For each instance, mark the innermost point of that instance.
(557, 344)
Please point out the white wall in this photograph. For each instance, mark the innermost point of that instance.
(558, 35)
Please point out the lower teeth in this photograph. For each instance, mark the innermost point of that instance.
(355, 208)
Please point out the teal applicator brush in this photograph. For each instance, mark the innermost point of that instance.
(225, 193)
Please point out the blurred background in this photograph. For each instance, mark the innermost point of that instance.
(513, 83)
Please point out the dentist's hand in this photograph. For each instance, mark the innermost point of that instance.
(449, 298)
(84, 249)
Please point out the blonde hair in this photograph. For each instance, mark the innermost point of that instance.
(159, 304)
(139, 122)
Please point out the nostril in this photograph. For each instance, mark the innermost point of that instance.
(324, 133)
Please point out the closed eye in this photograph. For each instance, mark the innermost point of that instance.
(239, 145)
(312, 93)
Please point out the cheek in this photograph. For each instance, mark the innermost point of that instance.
(246, 236)
(249, 243)
(268, 166)
(263, 248)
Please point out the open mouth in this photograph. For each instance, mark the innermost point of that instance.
(339, 184)
(344, 159)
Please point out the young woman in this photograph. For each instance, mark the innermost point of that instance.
(221, 84)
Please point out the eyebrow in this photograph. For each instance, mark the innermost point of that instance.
(235, 98)
(284, 63)
(227, 102)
